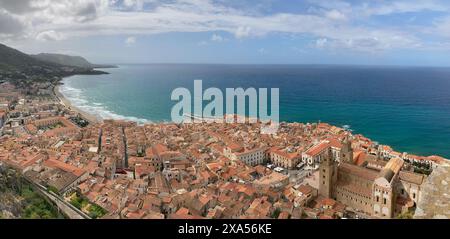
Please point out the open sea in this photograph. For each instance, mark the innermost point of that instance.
(407, 108)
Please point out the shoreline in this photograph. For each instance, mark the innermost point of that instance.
(66, 103)
(93, 119)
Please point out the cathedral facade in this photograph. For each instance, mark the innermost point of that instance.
(378, 188)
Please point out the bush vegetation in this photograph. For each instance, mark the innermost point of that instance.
(81, 203)
(25, 201)
(36, 207)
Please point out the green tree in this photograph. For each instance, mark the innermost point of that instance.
(276, 213)
(75, 201)
(53, 189)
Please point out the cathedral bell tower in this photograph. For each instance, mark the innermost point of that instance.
(327, 175)
(347, 151)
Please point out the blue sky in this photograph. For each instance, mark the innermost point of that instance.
(377, 32)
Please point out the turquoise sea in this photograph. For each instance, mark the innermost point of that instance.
(405, 107)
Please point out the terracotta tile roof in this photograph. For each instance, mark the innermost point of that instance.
(411, 177)
(316, 149)
(284, 154)
(333, 142)
(359, 157)
(355, 188)
(395, 164)
(361, 172)
(65, 167)
(436, 159)
(305, 189)
(328, 202)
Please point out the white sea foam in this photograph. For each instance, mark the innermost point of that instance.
(77, 98)
(347, 127)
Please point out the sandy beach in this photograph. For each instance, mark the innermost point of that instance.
(90, 117)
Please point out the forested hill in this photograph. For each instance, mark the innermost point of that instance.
(75, 61)
(16, 65)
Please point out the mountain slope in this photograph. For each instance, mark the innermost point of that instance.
(76, 61)
(14, 60)
(18, 65)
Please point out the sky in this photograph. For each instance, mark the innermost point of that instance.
(356, 32)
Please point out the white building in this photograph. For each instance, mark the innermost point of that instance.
(250, 157)
(314, 155)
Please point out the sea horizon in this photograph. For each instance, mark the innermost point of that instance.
(274, 64)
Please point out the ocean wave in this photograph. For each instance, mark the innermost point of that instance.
(77, 98)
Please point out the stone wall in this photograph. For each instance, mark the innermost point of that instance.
(434, 201)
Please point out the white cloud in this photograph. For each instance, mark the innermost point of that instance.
(10, 24)
(321, 43)
(49, 36)
(298, 50)
(369, 8)
(217, 38)
(262, 51)
(130, 3)
(136, 4)
(402, 6)
(130, 41)
(18, 6)
(361, 44)
(63, 19)
(242, 32)
(442, 27)
(202, 43)
(335, 15)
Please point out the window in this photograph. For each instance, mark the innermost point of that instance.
(378, 198)
(414, 195)
(384, 200)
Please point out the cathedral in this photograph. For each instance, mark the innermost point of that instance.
(377, 188)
